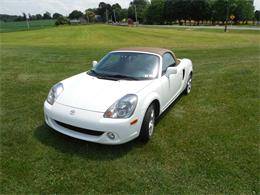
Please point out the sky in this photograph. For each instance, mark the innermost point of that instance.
(17, 7)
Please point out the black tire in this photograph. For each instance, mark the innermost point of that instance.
(149, 122)
(188, 88)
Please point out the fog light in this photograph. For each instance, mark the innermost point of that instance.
(111, 135)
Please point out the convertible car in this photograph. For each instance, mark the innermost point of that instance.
(120, 98)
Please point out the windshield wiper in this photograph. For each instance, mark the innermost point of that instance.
(102, 76)
(123, 77)
(113, 76)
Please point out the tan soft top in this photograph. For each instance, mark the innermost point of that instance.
(159, 51)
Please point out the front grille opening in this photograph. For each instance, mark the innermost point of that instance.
(80, 130)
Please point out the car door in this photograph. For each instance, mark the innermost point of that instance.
(167, 84)
(170, 86)
(179, 79)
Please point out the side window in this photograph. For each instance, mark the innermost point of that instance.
(168, 60)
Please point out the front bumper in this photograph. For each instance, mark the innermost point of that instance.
(123, 131)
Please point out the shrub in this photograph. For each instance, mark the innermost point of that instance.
(61, 20)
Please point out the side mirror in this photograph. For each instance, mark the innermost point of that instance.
(94, 63)
(171, 70)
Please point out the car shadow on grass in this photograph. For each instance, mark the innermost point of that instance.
(88, 150)
(169, 109)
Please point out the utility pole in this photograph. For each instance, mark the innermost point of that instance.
(135, 16)
(227, 14)
(27, 21)
(106, 16)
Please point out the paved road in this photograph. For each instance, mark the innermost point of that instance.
(203, 27)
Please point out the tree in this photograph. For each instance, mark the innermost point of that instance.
(46, 16)
(38, 16)
(90, 15)
(61, 20)
(24, 16)
(141, 6)
(244, 10)
(105, 11)
(169, 12)
(257, 15)
(182, 10)
(241, 9)
(75, 14)
(154, 13)
(19, 18)
(56, 15)
(200, 10)
(124, 14)
(116, 8)
(94, 10)
(101, 9)
(219, 10)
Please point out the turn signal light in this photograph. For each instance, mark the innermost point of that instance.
(133, 122)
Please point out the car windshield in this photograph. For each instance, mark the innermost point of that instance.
(127, 65)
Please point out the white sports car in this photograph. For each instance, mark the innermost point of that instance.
(119, 99)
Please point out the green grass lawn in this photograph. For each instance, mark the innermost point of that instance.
(20, 26)
(207, 142)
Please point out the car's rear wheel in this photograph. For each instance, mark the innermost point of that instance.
(148, 125)
(189, 85)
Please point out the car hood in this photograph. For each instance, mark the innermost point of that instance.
(90, 93)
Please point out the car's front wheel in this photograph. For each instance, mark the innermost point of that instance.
(148, 125)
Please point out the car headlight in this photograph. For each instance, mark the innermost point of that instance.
(122, 108)
(54, 93)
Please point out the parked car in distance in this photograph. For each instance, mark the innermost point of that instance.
(119, 99)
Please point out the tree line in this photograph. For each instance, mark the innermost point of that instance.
(15, 18)
(215, 11)
(159, 12)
